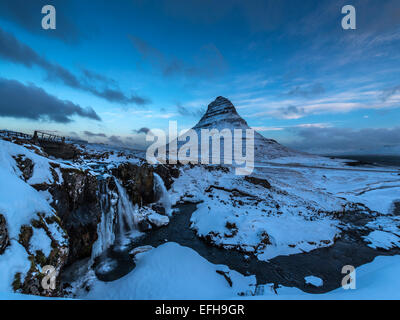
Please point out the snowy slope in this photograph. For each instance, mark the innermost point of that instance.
(20, 203)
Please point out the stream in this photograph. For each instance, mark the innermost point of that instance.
(290, 271)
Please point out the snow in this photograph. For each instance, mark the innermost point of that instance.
(171, 272)
(14, 260)
(157, 219)
(382, 240)
(19, 202)
(314, 281)
(40, 241)
(286, 219)
(377, 280)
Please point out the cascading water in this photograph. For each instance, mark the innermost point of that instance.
(118, 221)
(126, 212)
(105, 229)
(162, 194)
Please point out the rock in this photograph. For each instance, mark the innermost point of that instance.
(25, 235)
(144, 226)
(257, 181)
(167, 173)
(138, 182)
(141, 249)
(226, 276)
(158, 208)
(57, 257)
(77, 204)
(4, 239)
(60, 150)
(25, 165)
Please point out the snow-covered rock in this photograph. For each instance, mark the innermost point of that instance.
(314, 281)
(172, 272)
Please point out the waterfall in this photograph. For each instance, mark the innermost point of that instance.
(126, 211)
(105, 229)
(118, 218)
(162, 194)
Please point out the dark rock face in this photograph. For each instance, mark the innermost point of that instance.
(4, 240)
(59, 150)
(78, 205)
(167, 173)
(138, 182)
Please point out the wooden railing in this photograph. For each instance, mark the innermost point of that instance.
(37, 136)
(44, 136)
(14, 134)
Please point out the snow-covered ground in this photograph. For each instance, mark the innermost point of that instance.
(288, 206)
(296, 214)
(20, 203)
(175, 272)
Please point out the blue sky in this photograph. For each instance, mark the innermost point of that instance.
(112, 68)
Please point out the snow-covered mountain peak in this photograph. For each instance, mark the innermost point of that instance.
(221, 112)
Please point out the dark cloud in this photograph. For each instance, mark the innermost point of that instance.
(386, 94)
(290, 112)
(306, 91)
(346, 140)
(183, 111)
(31, 102)
(27, 14)
(94, 76)
(92, 135)
(13, 50)
(207, 62)
(116, 140)
(141, 130)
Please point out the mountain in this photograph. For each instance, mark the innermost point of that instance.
(222, 114)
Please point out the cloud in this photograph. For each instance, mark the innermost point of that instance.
(91, 134)
(31, 102)
(307, 91)
(27, 14)
(290, 112)
(345, 140)
(267, 129)
(13, 50)
(94, 76)
(185, 112)
(387, 94)
(142, 130)
(207, 62)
